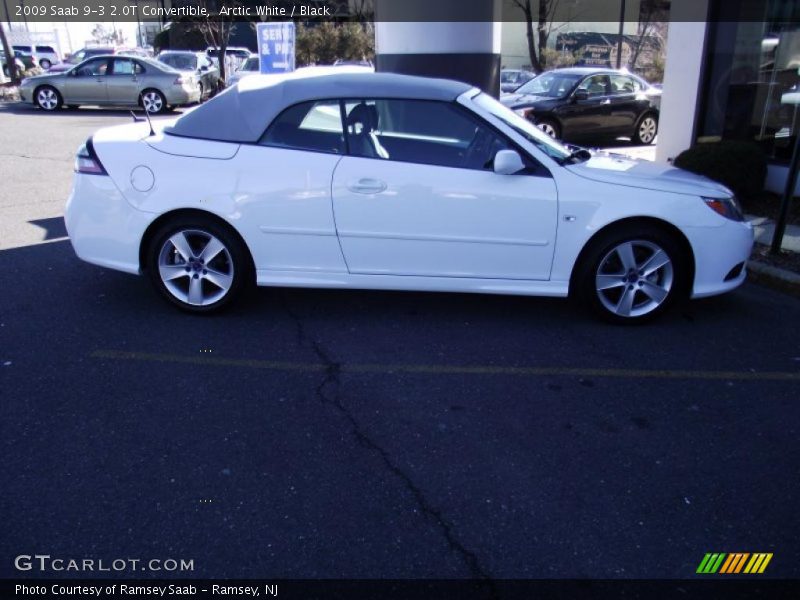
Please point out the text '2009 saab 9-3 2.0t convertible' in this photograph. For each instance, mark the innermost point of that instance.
(384, 181)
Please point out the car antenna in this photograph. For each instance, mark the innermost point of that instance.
(139, 120)
(149, 122)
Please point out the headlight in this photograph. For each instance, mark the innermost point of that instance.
(727, 207)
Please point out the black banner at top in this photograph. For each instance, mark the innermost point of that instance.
(563, 11)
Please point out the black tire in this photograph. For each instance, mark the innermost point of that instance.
(600, 262)
(45, 64)
(236, 264)
(158, 104)
(202, 92)
(550, 127)
(644, 136)
(51, 93)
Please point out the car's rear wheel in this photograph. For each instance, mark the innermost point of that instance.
(633, 274)
(202, 92)
(551, 128)
(198, 264)
(48, 98)
(45, 64)
(153, 101)
(646, 130)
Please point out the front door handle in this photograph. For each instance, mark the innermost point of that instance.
(366, 185)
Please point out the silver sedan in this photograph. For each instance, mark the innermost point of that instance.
(113, 81)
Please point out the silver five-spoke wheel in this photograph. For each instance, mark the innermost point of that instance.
(152, 102)
(47, 98)
(196, 267)
(634, 278)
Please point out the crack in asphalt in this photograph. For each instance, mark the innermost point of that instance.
(50, 158)
(332, 380)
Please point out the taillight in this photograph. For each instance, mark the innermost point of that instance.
(182, 80)
(86, 160)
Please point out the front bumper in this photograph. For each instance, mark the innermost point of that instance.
(103, 228)
(719, 251)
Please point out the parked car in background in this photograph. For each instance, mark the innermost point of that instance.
(243, 191)
(28, 60)
(20, 66)
(197, 63)
(81, 55)
(511, 79)
(112, 81)
(237, 54)
(140, 52)
(342, 62)
(589, 104)
(251, 66)
(45, 55)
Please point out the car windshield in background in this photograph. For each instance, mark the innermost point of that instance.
(251, 64)
(523, 127)
(182, 62)
(552, 85)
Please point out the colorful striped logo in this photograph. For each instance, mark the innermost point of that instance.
(734, 562)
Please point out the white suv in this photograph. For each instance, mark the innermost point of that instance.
(46, 56)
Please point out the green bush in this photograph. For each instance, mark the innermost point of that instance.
(741, 166)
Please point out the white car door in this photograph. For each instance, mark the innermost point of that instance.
(417, 196)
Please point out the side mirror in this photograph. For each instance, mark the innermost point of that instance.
(580, 95)
(204, 68)
(508, 162)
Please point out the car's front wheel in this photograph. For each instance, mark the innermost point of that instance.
(153, 101)
(48, 98)
(633, 274)
(198, 264)
(45, 64)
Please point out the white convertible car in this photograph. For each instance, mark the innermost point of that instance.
(383, 181)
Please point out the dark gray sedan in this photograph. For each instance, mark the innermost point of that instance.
(113, 81)
(197, 63)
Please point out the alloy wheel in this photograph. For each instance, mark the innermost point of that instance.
(647, 130)
(634, 278)
(152, 102)
(195, 267)
(47, 99)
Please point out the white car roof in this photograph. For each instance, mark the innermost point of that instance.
(242, 113)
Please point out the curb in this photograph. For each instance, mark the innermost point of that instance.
(774, 277)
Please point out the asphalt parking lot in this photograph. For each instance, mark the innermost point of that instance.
(370, 434)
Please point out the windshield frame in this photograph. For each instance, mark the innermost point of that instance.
(489, 106)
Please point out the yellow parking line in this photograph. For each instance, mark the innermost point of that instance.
(448, 369)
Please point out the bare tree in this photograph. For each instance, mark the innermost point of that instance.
(543, 18)
(652, 15)
(10, 58)
(216, 30)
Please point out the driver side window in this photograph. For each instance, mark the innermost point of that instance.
(420, 131)
(93, 68)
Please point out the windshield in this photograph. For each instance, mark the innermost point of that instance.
(522, 126)
(552, 85)
(182, 62)
(251, 64)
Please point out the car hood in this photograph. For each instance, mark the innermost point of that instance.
(621, 170)
(33, 79)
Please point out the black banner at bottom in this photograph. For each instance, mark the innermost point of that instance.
(343, 589)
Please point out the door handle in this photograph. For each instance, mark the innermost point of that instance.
(606, 101)
(366, 185)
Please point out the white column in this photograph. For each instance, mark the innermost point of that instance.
(686, 44)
